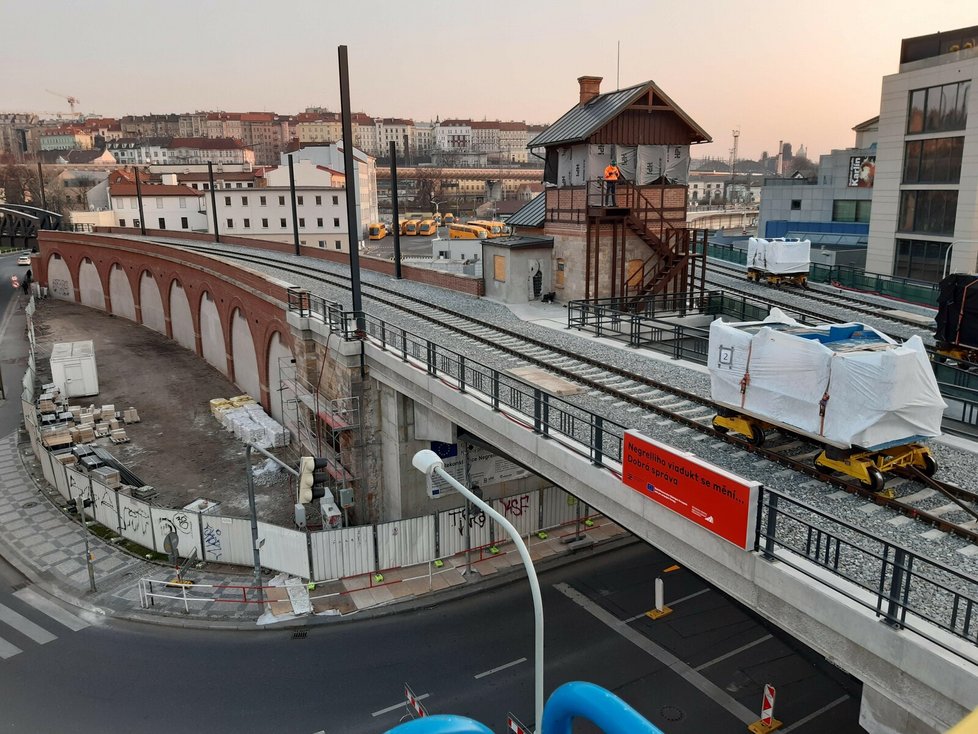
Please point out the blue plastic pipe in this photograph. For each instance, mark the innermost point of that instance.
(441, 724)
(599, 706)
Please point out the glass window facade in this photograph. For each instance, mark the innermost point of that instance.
(928, 212)
(920, 260)
(851, 210)
(935, 109)
(933, 161)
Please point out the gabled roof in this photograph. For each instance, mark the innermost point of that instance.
(582, 120)
(532, 213)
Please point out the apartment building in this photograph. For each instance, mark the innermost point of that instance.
(143, 151)
(68, 137)
(317, 127)
(925, 196)
(166, 205)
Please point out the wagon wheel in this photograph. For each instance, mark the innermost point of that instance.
(930, 465)
(756, 436)
(876, 481)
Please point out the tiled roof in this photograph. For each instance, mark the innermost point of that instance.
(207, 143)
(232, 176)
(148, 189)
(531, 214)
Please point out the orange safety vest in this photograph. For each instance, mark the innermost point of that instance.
(611, 173)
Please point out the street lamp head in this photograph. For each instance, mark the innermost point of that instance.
(426, 461)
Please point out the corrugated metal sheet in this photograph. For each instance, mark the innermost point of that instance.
(530, 214)
(581, 121)
(344, 552)
(522, 510)
(406, 542)
(559, 507)
(284, 550)
(451, 531)
(227, 540)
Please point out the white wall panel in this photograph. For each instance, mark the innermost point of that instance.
(181, 320)
(60, 283)
(406, 542)
(244, 355)
(89, 286)
(120, 293)
(344, 552)
(277, 350)
(211, 335)
(151, 304)
(284, 550)
(47, 465)
(558, 507)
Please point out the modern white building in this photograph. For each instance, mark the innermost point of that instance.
(925, 196)
(455, 135)
(166, 205)
(265, 211)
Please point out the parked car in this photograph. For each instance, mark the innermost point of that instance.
(24, 259)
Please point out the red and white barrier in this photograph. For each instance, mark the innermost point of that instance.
(767, 705)
(414, 703)
(513, 725)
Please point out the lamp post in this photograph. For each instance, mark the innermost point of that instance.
(947, 255)
(428, 463)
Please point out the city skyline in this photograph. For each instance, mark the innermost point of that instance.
(797, 77)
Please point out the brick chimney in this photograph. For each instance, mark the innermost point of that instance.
(590, 87)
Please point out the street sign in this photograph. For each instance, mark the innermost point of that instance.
(170, 543)
(714, 499)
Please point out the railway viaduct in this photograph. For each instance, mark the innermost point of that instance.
(242, 322)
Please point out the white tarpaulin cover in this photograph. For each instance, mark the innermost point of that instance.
(779, 256)
(876, 393)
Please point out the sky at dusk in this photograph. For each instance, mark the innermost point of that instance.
(804, 72)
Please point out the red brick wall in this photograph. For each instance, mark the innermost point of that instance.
(262, 301)
(452, 281)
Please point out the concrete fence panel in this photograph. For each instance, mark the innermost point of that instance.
(406, 542)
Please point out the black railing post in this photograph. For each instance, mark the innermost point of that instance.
(495, 390)
(395, 223)
(404, 349)
(537, 409)
(383, 335)
(461, 373)
(295, 210)
(546, 415)
(896, 601)
(771, 526)
(597, 440)
(430, 357)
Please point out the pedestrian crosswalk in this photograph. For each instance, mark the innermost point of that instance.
(11, 619)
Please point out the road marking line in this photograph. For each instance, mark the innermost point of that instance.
(730, 654)
(402, 704)
(708, 688)
(501, 667)
(7, 650)
(671, 604)
(813, 714)
(43, 604)
(25, 626)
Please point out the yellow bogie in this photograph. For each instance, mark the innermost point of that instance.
(869, 467)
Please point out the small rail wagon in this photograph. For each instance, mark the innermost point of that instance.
(778, 261)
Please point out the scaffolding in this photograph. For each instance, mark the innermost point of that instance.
(326, 429)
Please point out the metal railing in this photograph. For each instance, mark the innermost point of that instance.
(908, 582)
(848, 276)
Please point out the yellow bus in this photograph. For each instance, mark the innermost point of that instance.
(427, 228)
(494, 229)
(466, 232)
(448, 218)
(437, 217)
(377, 231)
(409, 227)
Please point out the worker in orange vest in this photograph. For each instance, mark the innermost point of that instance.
(611, 175)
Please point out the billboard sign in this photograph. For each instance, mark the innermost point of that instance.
(862, 171)
(714, 499)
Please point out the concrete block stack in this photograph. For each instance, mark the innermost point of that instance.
(248, 422)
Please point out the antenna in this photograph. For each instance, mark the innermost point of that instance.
(618, 73)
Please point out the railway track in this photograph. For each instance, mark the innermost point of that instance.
(839, 301)
(913, 496)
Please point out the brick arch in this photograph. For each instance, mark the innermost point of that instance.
(231, 305)
(247, 372)
(174, 324)
(216, 358)
(112, 305)
(267, 367)
(143, 273)
(95, 299)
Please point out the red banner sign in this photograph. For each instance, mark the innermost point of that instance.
(719, 501)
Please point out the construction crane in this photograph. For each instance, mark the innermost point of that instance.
(72, 101)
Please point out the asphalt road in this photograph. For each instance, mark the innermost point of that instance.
(471, 657)
(699, 669)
